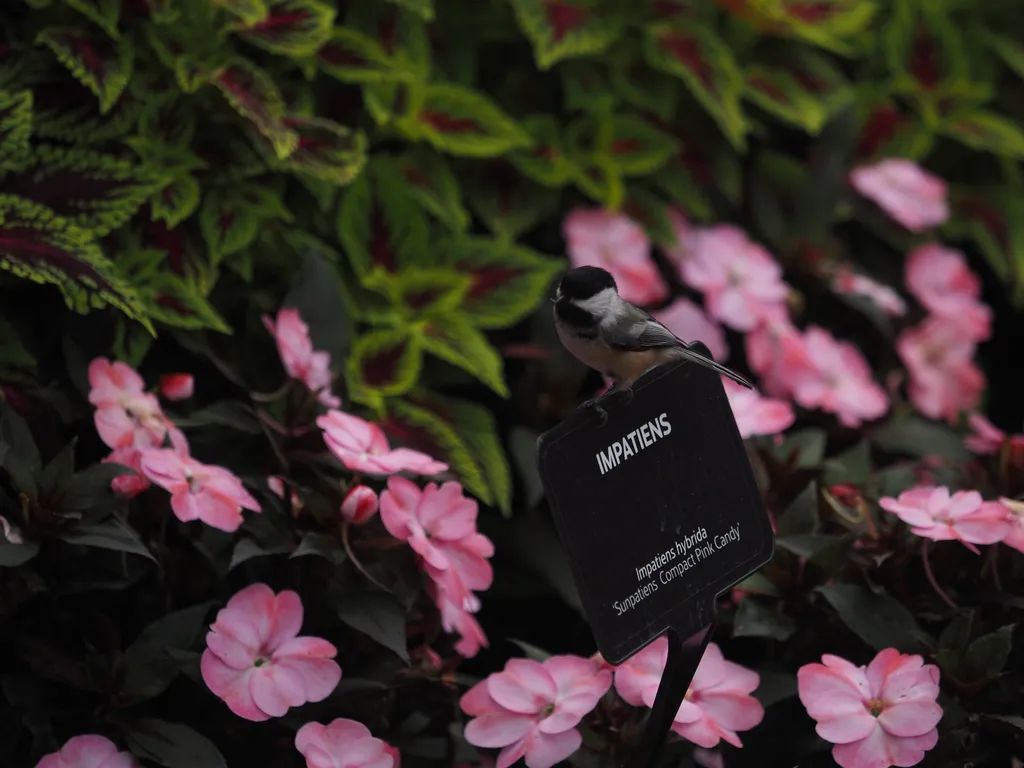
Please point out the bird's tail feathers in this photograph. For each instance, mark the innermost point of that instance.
(696, 357)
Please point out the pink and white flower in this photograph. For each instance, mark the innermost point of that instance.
(740, 280)
(90, 751)
(126, 415)
(300, 360)
(689, 322)
(940, 279)
(363, 447)
(596, 237)
(343, 744)
(128, 485)
(531, 709)
(756, 414)
(177, 386)
(1015, 536)
(359, 505)
(909, 195)
(845, 281)
(944, 381)
(717, 705)
(934, 513)
(877, 716)
(255, 661)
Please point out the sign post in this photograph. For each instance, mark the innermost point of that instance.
(659, 512)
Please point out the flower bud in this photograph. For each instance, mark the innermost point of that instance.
(177, 386)
(359, 505)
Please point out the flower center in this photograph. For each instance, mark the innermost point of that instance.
(875, 707)
(193, 484)
(548, 709)
(259, 662)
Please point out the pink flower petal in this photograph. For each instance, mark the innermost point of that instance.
(544, 750)
(498, 730)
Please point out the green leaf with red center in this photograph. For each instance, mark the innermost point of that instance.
(461, 121)
(178, 200)
(677, 182)
(400, 33)
(1009, 50)
(696, 55)
(545, 162)
(635, 147)
(384, 362)
(253, 94)
(294, 28)
(430, 181)
(180, 302)
(246, 11)
(90, 190)
(651, 212)
(477, 427)
(924, 50)
(586, 86)
(326, 150)
(380, 225)
(38, 245)
(456, 340)
(887, 131)
(433, 431)
(354, 57)
(229, 223)
(419, 292)
(168, 120)
(778, 92)
(599, 180)
(422, 8)
(506, 202)
(66, 110)
(831, 24)
(105, 13)
(993, 218)
(643, 87)
(560, 29)
(508, 281)
(102, 65)
(15, 128)
(986, 132)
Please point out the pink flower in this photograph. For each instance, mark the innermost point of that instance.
(90, 751)
(457, 619)
(756, 414)
(839, 380)
(128, 485)
(531, 709)
(362, 447)
(877, 716)
(683, 229)
(986, 438)
(277, 487)
(598, 238)
(300, 360)
(439, 523)
(177, 386)
(963, 516)
(359, 505)
(740, 280)
(1015, 537)
(343, 744)
(255, 662)
(943, 377)
(845, 281)
(199, 491)
(717, 704)
(777, 353)
(688, 321)
(912, 197)
(126, 414)
(940, 279)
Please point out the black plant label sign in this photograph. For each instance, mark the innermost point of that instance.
(657, 508)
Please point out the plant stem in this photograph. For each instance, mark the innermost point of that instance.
(355, 561)
(931, 577)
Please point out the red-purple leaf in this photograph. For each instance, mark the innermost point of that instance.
(102, 65)
(460, 121)
(383, 363)
(292, 27)
(560, 29)
(253, 94)
(325, 151)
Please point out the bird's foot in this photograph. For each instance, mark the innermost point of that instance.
(595, 403)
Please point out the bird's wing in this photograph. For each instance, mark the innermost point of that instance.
(637, 330)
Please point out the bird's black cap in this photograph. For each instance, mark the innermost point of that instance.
(583, 282)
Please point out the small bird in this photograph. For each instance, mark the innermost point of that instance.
(618, 339)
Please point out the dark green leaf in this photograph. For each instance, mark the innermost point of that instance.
(801, 516)
(13, 555)
(224, 413)
(18, 452)
(247, 549)
(877, 619)
(987, 656)
(321, 545)
(755, 618)
(376, 615)
(808, 446)
(774, 687)
(916, 436)
(91, 487)
(531, 651)
(111, 534)
(172, 745)
(316, 293)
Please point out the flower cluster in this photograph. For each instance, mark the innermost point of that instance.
(935, 513)
(300, 360)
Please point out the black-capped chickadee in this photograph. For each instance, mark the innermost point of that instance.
(607, 333)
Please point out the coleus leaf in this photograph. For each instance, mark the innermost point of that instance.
(291, 28)
(1009, 50)
(253, 94)
(228, 222)
(194, 53)
(986, 132)
(678, 183)
(559, 29)
(696, 55)
(507, 203)
(384, 362)
(478, 428)
(41, 246)
(353, 57)
(650, 212)
(777, 92)
(508, 281)
(453, 338)
(545, 162)
(924, 49)
(380, 225)
(105, 13)
(168, 120)
(179, 302)
(246, 11)
(634, 147)
(430, 181)
(586, 87)
(176, 201)
(422, 8)
(424, 430)
(15, 128)
(64, 109)
(420, 291)
(326, 150)
(994, 220)
(643, 87)
(827, 24)
(101, 65)
(91, 190)
(463, 122)
(402, 35)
